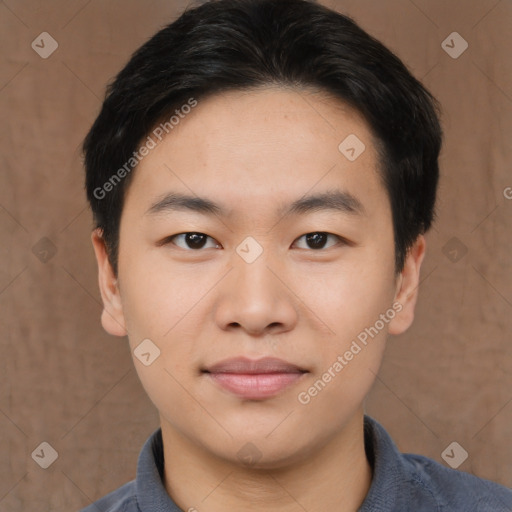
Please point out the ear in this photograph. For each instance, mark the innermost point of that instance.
(407, 287)
(112, 317)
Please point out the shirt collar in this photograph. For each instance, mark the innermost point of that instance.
(151, 493)
(389, 472)
(383, 455)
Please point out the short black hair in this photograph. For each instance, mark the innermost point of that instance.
(226, 45)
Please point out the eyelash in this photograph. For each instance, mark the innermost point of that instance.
(169, 239)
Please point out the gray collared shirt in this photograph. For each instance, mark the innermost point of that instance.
(400, 483)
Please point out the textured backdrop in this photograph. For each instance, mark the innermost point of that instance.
(65, 382)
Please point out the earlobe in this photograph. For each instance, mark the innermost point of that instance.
(112, 317)
(407, 287)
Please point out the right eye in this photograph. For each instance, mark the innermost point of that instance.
(192, 240)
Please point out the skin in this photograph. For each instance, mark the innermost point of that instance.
(255, 152)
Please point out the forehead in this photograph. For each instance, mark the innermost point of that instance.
(254, 144)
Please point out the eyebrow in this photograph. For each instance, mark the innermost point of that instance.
(334, 200)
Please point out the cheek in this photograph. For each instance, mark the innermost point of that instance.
(350, 297)
(158, 296)
(351, 302)
(162, 306)
(347, 361)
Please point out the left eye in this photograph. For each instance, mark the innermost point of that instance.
(317, 239)
(193, 240)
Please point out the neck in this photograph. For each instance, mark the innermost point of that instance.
(336, 475)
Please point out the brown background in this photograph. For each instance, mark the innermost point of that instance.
(65, 381)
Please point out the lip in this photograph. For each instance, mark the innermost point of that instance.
(254, 379)
(254, 366)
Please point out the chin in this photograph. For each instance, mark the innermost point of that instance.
(264, 454)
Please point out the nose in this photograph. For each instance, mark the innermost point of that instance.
(255, 298)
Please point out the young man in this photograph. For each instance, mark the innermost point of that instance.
(262, 174)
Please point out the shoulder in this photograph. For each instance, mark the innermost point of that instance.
(454, 490)
(405, 481)
(122, 499)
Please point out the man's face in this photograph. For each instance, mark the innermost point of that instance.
(255, 281)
